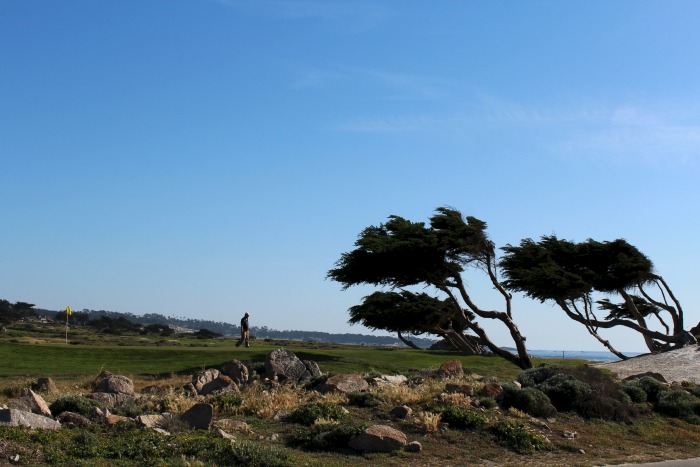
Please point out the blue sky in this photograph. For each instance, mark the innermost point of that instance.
(204, 158)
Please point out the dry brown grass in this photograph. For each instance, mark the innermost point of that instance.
(429, 422)
(264, 402)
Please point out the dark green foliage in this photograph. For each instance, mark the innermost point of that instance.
(226, 403)
(589, 391)
(653, 388)
(516, 437)
(678, 403)
(77, 404)
(635, 391)
(555, 269)
(325, 437)
(621, 310)
(564, 391)
(461, 418)
(308, 414)
(530, 400)
(538, 375)
(487, 402)
(404, 311)
(363, 399)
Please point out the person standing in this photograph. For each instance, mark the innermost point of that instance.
(245, 331)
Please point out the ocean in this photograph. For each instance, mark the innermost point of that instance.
(579, 354)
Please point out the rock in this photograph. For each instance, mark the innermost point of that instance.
(29, 401)
(110, 400)
(569, 434)
(517, 384)
(223, 434)
(13, 417)
(237, 371)
(280, 414)
(152, 421)
(111, 419)
(199, 416)
(221, 384)
(458, 388)
(492, 390)
(103, 374)
(402, 411)
(161, 431)
(15, 457)
(154, 390)
(389, 380)
(451, 369)
(203, 377)
(189, 388)
(346, 383)
(414, 446)
(657, 376)
(379, 438)
(233, 425)
(286, 366)
(45, 385)
(312, 367)
(73, 420)
(116, 384)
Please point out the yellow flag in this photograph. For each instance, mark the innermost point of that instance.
(68, 310)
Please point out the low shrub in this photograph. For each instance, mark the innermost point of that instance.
(73, 403)
(634, 391)
(227, 403)
(529, 400)
(363, 399)
(325, 437)
(653, 388)
(487, 402)
(538, 375)
(307, 414)
(516, 437)
(564, 391)
(680, 404)
(461, 418)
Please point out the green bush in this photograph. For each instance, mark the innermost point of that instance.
(77, 404)
(308, 414)
(363, 399)
(680, 404)
(227, 403)
(538, 375)
(529, 400)
(461, 418)
(487, 402)
(634, 390)
(564, 391)
(516, 437)
(325, 437)
(653, 388)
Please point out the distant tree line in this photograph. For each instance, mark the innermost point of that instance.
(113, 322)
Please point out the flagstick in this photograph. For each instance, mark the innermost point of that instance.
(66, 328)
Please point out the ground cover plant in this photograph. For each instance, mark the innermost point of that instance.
(287, 425)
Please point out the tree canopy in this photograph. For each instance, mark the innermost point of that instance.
(401, 253)
(569, 273)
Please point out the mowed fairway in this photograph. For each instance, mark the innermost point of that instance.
(59, 360)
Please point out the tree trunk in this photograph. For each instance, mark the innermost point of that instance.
(407, 342)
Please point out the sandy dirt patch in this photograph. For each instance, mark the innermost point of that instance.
(675, 365)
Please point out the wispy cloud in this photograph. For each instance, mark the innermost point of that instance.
(623, 133)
